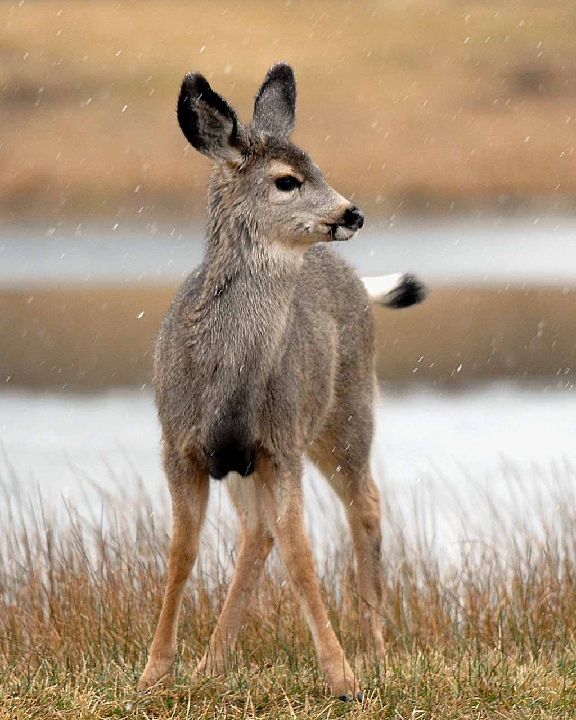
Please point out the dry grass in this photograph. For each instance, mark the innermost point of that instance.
(434, 104)
(490, 635)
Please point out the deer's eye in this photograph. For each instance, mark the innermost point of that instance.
(287, 183)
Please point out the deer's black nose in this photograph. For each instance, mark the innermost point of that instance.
(353, 218)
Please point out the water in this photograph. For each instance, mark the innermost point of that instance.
(489, 251)
(442, 460)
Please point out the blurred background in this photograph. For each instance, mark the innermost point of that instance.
(451, 124)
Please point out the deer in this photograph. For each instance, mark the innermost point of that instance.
(265, 357)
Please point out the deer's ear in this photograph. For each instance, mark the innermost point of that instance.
(209, 123)
(275, 103)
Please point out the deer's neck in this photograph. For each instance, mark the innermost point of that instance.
(246, 297)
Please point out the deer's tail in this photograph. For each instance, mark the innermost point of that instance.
(396, 291)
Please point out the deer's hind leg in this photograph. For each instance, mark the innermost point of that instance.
(280, 489)
(343, 457)
(189, 493)
(256, 541)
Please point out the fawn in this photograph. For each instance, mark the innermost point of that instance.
(265, 356)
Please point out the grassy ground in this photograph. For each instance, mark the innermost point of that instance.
(415, 105)
(490, 635)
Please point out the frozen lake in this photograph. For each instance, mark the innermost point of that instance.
(539, 250)
(443, 460)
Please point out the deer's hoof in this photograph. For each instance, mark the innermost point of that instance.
(144, 684)
(154, 678)
(359, 697)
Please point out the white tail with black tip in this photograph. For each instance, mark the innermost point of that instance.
(399, 290)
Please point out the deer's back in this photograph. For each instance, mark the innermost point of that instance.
(223, 396)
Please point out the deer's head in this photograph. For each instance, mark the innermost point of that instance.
(260, 177)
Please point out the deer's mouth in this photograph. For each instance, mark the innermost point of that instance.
(340, 232)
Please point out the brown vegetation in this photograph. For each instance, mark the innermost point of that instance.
(103, 336)
(488, 634)
(414, 106)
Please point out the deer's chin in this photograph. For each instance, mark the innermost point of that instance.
(340, 232)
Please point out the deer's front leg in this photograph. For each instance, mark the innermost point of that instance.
(189, 500)
(282, 499)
